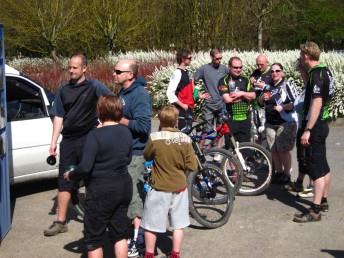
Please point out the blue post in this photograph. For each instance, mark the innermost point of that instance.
(5, 205)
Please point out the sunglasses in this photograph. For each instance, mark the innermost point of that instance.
(189, 57)
(218, 59)
(276, 71)
(120, 72)
(236, 67)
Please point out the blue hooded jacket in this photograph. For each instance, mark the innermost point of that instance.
(137, 108)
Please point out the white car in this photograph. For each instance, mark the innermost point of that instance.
(29, 128)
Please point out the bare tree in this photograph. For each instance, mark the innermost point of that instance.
(261, 10)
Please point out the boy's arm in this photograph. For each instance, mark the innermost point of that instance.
(190, 159)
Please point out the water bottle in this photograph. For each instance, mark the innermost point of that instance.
(146, 187)
(148, 165)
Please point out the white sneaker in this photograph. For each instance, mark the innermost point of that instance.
(306, 194)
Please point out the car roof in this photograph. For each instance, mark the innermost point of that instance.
(11, 70)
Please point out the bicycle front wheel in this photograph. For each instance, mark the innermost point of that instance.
(206, 187)
(258, 172)
(228, 163)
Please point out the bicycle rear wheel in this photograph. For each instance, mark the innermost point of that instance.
(257, 176)
(206, 188)
(228, 163)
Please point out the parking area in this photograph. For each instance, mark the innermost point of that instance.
(259, 226)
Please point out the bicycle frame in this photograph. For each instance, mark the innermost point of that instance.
(220, 132)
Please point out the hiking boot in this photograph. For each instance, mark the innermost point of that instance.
(293, 187)
(324, 206)
(308, 216)
(56, 228)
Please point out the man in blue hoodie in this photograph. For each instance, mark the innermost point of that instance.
(137, 114)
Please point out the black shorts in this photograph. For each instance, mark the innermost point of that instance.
(241, 130)
(70, 154)
(185, 117)
(313, 157)
(106, 207)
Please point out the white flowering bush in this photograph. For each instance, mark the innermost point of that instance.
(161, 75)
(334, 60)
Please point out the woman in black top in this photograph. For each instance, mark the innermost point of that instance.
(107, 153)
(280, 122)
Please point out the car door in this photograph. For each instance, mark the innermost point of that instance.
(30, 130)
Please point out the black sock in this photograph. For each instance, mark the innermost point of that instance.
(316, 208)
(324, 199)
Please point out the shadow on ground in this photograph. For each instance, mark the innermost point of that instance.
(24, 189)
(164, 244)
(275, 192)
(334, 253)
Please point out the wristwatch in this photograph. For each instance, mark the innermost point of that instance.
(307, 129)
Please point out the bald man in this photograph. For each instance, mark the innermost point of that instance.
(261, 76)
(137, 114)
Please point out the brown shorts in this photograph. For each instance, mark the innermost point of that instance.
(282, 137)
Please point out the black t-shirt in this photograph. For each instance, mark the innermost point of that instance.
(76, 103)
(320, 84)
(238, 111)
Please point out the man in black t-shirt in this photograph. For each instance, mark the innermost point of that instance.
(74, 111)
(319, 90)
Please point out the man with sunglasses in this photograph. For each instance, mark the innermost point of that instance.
(237, 93)
(75, 115)
(210, 74)
(137, 114)
(180, 89)
(314, 129)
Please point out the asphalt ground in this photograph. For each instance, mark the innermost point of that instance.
(260, 226)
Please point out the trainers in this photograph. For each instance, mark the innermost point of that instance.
(293, 187)
(306, 194)
(308, 216)
(56, 228)
(133, 251)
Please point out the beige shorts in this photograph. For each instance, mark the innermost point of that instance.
(282, 137)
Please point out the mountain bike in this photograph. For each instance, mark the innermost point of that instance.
(217, 156)
(254, 159)
(211, 196)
